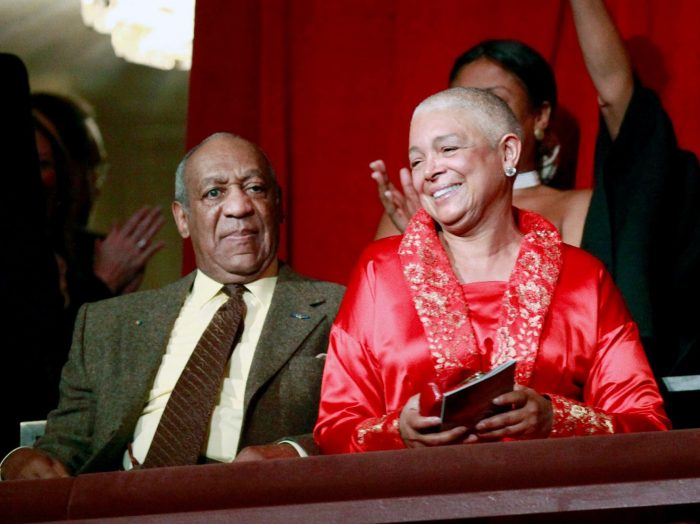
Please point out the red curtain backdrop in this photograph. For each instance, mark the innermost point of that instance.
(326, 86)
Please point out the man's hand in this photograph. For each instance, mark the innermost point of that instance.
(120, 259)
(531, 417)
(411, 423)
(266, 452)
(28, 463)
(400, 207)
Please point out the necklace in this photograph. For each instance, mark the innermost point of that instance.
(527, 180)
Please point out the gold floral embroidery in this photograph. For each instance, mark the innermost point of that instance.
(572, 418)
(369, 426)
(444, 313)
(382, 426)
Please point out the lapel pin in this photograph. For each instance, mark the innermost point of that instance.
(300, 316)
(139, 322)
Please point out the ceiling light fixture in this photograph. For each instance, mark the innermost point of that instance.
(156, 33)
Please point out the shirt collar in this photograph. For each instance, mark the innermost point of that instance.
(206, 288)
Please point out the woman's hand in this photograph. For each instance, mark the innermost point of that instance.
(120, 259)
(400, 207)
(411, 423)
(531, 417)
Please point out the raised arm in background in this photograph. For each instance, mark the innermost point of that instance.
(606, 58)
(611, 72)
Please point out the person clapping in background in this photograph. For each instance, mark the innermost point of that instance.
(92, 266)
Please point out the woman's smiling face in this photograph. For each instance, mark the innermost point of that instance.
(456, 170)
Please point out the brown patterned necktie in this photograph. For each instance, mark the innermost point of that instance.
(183, 426)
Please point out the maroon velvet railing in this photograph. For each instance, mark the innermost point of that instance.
(646, 477)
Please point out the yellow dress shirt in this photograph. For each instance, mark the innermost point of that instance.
(204, 300)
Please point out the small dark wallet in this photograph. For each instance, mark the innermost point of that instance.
(470, 401)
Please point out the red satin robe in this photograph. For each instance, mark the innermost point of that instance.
(589, 359)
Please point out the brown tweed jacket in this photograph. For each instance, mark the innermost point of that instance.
(117, 348)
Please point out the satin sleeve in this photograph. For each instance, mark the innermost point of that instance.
(353, 412)
(352, 415)
(620, 393)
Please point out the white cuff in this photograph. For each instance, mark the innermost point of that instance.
(300, 450)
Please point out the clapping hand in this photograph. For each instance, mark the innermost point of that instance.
(400, 207)
(121, 257)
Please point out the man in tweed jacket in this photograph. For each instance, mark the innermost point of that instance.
(128, 351)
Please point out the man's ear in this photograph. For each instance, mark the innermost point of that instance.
(180, 215)
(510, 146)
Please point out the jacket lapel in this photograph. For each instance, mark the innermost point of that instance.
(145, 335)
(148, 333)
(292, 316)
(145, 332)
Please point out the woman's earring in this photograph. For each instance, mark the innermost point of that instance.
(510, 171)
(539, 133)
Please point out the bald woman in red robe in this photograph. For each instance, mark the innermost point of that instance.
(474, 283)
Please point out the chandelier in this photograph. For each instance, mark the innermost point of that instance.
(156, 33)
